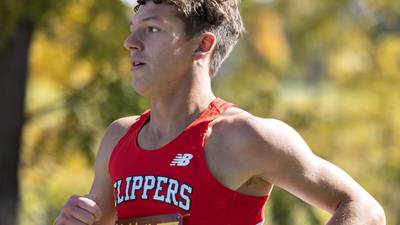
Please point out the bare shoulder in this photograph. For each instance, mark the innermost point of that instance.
(121, 125)
(102, 185)
(115, 131)
(112, 135)
(258, 140)
(237, 124)
(275, 152)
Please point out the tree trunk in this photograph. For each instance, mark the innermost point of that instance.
(13, 74)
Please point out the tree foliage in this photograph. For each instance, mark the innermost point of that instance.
(330, 69)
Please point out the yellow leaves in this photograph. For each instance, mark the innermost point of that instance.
(268, 37)
(77, 13)
(353, 113)
(304, 8)
(353, 57)
(54, 62)
(47, 185)
(348, 62)
(49, 59)
(388, 56)
(102, 23)
(53, 71)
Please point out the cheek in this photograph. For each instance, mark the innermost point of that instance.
(178, 51)
(182, 55)
(171, 55)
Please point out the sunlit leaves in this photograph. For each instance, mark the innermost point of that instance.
(388, 56)
(266, 33)
(331, 69)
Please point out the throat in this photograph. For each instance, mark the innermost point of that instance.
(152, 137)
(168, 121)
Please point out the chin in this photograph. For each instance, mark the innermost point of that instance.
(141, 87)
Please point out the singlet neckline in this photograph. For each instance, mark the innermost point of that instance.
(146, 118)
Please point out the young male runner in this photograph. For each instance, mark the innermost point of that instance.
(195, 154)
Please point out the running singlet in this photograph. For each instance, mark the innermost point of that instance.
(175, 179)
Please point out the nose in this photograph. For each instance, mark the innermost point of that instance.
(132, 43)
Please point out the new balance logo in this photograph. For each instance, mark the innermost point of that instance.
(181, 160)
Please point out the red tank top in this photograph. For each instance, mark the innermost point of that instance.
(175, 178)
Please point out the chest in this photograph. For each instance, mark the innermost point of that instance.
(227, 162)
(188, 158)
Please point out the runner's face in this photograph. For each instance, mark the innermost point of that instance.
(160, 52)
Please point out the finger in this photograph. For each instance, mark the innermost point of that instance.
(92, 197)
(66, 219)
(95, 198)
(91, 206)
(83, 215)
(73, 221)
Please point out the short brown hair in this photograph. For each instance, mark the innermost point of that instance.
(220, 17)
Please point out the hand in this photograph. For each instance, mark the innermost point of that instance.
(79, 210)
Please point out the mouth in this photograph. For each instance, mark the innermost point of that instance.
(137, 65)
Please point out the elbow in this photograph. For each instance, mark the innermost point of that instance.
(380, 217)
(376, 214)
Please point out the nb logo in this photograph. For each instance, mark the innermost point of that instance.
(181, 160)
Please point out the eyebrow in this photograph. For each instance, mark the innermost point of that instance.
(149, 18)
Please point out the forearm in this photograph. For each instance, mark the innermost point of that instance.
(358, 213)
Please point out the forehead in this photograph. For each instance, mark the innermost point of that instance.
(162, 12)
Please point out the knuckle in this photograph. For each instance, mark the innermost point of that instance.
(66, 209)
(60, 220)
(70, 221)
(72, 201)
(83, 215)
(70, 208)
(89, 220)
(92, 218)
(76, 211)
(74, 197)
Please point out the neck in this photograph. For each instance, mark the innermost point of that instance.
(174, 111)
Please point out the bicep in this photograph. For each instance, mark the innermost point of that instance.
(103, 190)
(319, 183)
(102, 186)
(292, 166)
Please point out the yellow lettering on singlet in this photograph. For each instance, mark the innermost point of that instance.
(169, 223)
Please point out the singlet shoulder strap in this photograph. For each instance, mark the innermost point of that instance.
(222, 105)
(139, 122)
(215, 108)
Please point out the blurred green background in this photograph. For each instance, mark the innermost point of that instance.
(330, 69)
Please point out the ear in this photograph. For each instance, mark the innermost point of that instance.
(206, 45)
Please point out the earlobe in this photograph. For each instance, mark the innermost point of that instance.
(206, 45)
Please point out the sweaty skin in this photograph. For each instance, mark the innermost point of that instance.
(243, 152)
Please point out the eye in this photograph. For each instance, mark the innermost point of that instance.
(151, 29)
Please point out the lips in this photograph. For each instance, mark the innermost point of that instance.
(136, 64)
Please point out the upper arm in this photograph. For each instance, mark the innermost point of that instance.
(102, 187)
(288, 162)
